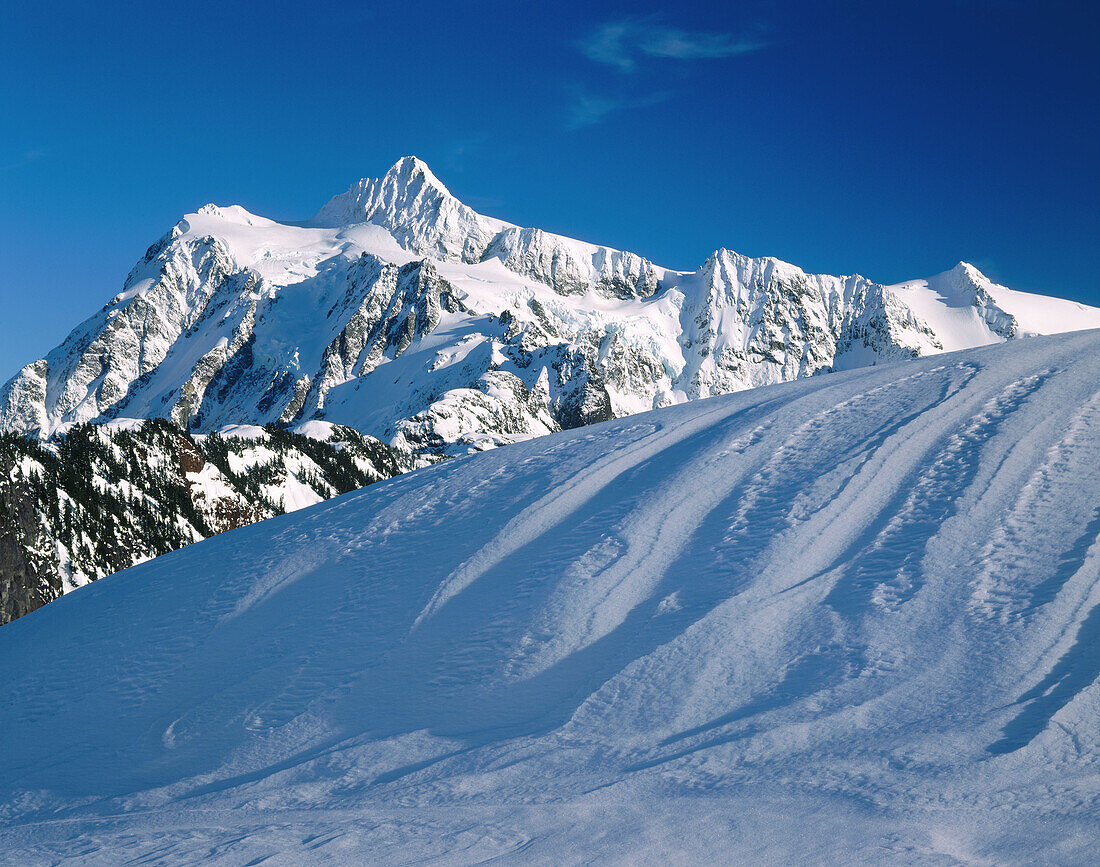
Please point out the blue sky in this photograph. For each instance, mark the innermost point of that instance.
(886, 138)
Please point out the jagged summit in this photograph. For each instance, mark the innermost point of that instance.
(414, 167)
(742, 260)
(403, 313)
(406, 181)
(418, 211)
(413, 205)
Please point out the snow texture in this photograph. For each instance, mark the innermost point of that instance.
(844, 619)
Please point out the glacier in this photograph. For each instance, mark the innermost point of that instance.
(404, 314)
(842, 619)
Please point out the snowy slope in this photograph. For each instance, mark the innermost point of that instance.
(403, 313)
(851, 618)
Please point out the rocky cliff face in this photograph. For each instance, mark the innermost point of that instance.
(403, 313)
(100, 498)
(28, 574)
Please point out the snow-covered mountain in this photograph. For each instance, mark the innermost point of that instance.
(846, 619)
(401, 312)
(98, 498)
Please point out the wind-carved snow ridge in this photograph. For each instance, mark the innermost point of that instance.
(698, 634)
(401, 312)
(1008, 588)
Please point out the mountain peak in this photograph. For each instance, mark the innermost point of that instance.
(411, 169)
(412, 204)
(968, 270)
(408, 187)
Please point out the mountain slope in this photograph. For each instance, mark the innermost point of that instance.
(851, 618)
(401, 312)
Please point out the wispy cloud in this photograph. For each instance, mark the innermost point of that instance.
(624, 43)
(25, 160)
(627, 43)
(589, 108)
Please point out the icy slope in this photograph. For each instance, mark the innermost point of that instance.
(847, 618)
(403, 313)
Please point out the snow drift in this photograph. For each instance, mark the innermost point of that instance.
(846, 618)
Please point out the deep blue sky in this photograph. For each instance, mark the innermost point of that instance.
(886, 138)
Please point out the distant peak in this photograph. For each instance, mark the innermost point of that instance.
(724, 257)
(407, 184)
(229, 214)
(412, 168)
(408, 173)
(965, 269)
(232, 214)
(724, 253)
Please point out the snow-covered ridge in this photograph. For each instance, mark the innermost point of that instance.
(422, 215)
(850, 619)
(402, 312)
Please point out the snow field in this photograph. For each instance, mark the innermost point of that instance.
(854, 618)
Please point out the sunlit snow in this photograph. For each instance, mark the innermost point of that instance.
(850, 619)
